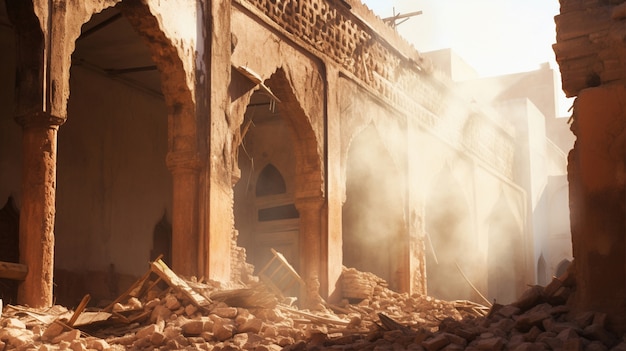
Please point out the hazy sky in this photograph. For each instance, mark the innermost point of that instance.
(494, 36)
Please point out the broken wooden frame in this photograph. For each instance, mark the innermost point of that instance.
(279, 275)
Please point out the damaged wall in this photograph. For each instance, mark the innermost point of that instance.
(591, 53)
(344, 82)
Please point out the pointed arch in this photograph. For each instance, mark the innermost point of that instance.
(183, 134)
(270, 182)
(308, 149)
(373, 214)
(450, 244)
(505, 253)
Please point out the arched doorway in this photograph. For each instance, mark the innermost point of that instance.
(113, 184)
(373, 213)
(265, 213)
(505, 254)
(280, 142)
(449, 235)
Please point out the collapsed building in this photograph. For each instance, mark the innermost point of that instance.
(213, 131)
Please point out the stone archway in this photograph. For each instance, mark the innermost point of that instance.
(449, 239)
(283, 137)
(113, 184)
(505, 253)
(185, 148)
(373, 213)
(265, 213)
(42, 93)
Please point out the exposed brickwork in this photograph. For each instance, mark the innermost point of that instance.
(591, 51)
(590, 45)
(403, 81)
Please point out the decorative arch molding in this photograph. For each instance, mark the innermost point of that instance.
(309, 146)
(357, 114)
(44, 64)
(177, 89)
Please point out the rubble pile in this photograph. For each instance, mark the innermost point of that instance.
(168, 312)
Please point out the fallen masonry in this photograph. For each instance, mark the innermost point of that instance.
(167, 312)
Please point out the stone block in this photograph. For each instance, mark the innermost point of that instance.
(15, 336)
(435, 343)
(508, 311)
(269, 347)
(225, 312)
(77, 345)
(597, 332)
(172, 331)
(160, 312)
(449, 347)
(67, 336)
(514, 341)
(468, 333)
(490, 344)
(53, 330)
(568, 333)
(190, 310)
(157, 338)
(573, 344)
(252, 325)
(531, 297)
(197, 326)
(223, 329)
(455, 339)
(147, 331)
(531, 319)
(269, 331)
(97, 344)
(13, 323)
(171, 302)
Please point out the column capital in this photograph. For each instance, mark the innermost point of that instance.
(39, 119)
(183, 160)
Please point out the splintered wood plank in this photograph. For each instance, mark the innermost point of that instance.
(172, 279)
(13, 271)
(79, 310)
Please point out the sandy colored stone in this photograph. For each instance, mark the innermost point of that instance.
(97, 344)
(225, 312)
(77, 345)
(67, 336)
(197, 326)
(223, 329)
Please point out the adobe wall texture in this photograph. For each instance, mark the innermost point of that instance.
(590, 49)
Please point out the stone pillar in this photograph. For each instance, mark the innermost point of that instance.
(185, 168)
(39, 148)
(597, 177)
(310, 238)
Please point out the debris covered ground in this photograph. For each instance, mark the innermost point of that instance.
(163, 311)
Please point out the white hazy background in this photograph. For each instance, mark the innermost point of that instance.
(495, 37)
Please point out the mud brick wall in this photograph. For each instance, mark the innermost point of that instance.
(590, 46)
(591, 51)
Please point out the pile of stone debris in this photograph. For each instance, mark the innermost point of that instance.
(164, 311)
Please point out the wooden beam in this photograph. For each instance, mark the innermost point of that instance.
(13, 271)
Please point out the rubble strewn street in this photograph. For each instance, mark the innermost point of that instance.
(163, 311)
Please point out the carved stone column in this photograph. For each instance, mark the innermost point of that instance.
(39, 148)
(185, 168)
